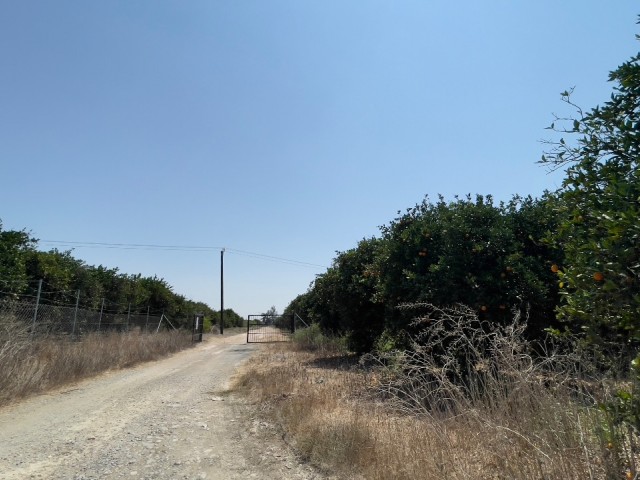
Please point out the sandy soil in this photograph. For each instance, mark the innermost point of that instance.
(170, 419)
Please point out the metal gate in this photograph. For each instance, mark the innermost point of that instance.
(270, 328)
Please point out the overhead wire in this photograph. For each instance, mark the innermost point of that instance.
(129, 246)
(185, 248)
(274, 259)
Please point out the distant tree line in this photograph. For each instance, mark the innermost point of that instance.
(22, 265)
(231, 318)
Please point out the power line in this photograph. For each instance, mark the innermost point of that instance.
(182, 248)
(274, 259)
(128, 246)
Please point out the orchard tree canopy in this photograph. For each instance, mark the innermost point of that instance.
(470, 251)
(14, 247)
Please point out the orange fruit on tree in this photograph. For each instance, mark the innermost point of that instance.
(483, 308)
(598, 276)
(554, 268)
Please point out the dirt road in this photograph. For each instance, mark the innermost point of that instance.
(169, 419)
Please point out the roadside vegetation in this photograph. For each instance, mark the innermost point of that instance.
(488, 340)
(489, 406)
(34, 365)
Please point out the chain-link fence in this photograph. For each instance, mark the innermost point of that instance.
(45, 319)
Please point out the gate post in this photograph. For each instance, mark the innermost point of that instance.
(198, 327)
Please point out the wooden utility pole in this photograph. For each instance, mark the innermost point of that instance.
(222, 291)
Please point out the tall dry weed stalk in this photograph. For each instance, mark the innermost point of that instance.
(14, 344)
(457, 363)
(532, 408)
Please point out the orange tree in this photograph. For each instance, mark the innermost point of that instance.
(599, 228)
(342, 300)
(472, 252)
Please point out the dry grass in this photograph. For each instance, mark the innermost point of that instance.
(29, 366)
(421, 414)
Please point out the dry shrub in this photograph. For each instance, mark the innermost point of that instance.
(15, 347)
(32, 365)
(469, 400)
(502, 406)
(308, 394)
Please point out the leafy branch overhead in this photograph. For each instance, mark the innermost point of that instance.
(599, 207)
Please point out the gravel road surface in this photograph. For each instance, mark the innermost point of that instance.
(169, 419)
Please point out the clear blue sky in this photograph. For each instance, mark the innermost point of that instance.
(286, 128)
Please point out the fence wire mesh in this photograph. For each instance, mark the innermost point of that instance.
(44, 319)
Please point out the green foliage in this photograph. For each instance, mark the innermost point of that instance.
(390, 341)
(471, 252)
(300, 305)
(207, 324)
(599, 229)
(467, 251)
(620, 424)
(62, 275)
(14, 249)
(342, 300)
(312, 338)
(231, 318)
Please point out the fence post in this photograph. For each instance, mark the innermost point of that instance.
(35, 313)
(100, 317)
(160, 322)
(128, 315)
(75, 314)
(300, 318)
(146, 324)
